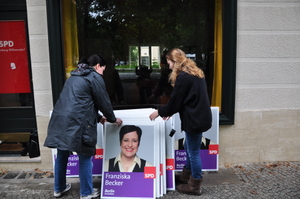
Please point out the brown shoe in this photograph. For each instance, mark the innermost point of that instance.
(192, 188)
(184, 177)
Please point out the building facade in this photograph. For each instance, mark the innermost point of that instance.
(266, 124)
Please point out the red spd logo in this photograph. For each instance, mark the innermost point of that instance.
(99, 154)
(213, 149)
(150, 172)
(170, 164)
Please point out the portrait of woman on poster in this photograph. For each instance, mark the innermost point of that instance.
(127, 160)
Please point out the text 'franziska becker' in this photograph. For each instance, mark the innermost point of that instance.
(113, 179)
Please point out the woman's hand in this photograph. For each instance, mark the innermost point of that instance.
(118, 121)
(102, 120)
(153, 115)
(166, 118)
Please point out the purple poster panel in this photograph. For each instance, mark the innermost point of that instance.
(209, 159)
(127, 184)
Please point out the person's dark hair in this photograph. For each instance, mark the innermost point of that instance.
(96, 59)
(130, 128)
(83, 60)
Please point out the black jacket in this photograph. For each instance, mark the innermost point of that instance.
(189, 97)
(73, 123)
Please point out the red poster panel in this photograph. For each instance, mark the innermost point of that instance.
(14, 76)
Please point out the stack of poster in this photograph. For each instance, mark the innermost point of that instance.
(163, 152)
(142, 179)
(156, 154)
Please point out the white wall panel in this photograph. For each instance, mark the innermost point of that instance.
(39, 53)
(267, 97)
(268, 55)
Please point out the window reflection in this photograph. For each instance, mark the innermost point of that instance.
(133, 37)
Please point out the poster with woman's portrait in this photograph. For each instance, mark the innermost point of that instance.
(131, 162)
(209, 151)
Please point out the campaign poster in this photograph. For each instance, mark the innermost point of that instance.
(162, 158)
(142, 116)
(209, 151)
(73, 160)
(130, 169)
(169, 164)
(14, 76)
(73, 163)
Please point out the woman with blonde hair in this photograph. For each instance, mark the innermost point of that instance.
(189, 97)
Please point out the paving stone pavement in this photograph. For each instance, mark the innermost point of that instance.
(256, 180)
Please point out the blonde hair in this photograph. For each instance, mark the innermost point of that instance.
(182, 63)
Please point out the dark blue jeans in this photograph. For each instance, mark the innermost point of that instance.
(192, 146)
(60, 169)
(85, 172)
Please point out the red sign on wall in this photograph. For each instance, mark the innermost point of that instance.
(14, 75)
